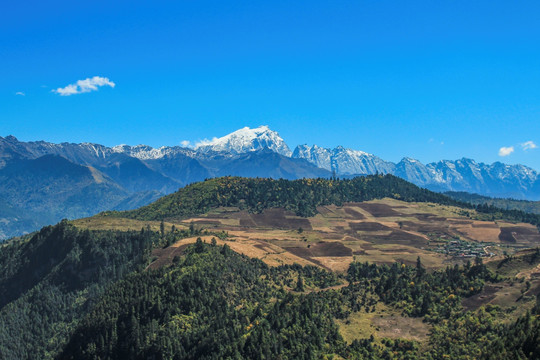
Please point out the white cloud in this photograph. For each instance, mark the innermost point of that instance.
(505, 151)
(205, 142)
(528, 145)
(185, 143)
(84, 86)
(20, 93)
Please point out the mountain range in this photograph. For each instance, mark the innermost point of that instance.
(42, 182)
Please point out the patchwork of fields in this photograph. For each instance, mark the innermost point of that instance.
(379, 231)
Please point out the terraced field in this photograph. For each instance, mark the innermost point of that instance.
(380, 231)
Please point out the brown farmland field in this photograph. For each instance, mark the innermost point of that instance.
(379, 231)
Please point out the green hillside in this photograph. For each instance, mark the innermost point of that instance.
(506, 204)
(300, 196)
(69, 293)
(50, 280)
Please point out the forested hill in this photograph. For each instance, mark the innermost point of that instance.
(506, 204)
(74, 293)
(49, 281)
(300, 196)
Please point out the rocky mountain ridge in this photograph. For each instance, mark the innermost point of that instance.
(55, 181)
(497, 179)
(131, 176)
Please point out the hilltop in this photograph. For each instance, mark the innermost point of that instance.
(300, 196)
(330, 223)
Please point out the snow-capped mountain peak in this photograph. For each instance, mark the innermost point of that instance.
(246, 140)
(212, 156)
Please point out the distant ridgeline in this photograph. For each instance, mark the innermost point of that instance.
(300, 196)
(42, 183)
(505, 204)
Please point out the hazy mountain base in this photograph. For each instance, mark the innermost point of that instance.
(56, 181)
(38, 192)
(15, 222)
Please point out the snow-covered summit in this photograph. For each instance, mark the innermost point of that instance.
(238, 142)
(497, 179)
(246, 140)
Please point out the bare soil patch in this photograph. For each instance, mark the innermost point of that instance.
(368, 226)
(333, 249)
(484, 225)
(461, 222)
(527, 235)
(379, 210)
(247, 221)
(383, 323)
(397, 250)
(360, 252)
(485, 232)
(206, 222)
(438, 228)
(331, 236)
(507, 235)
(401, 327)
(399, 237)
(333, 263)
(354, 214)
(275, 218)
(429, 217)
(165, 256)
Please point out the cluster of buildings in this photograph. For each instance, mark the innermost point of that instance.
(464, 249)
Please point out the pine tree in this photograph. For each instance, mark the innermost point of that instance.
(300, 284)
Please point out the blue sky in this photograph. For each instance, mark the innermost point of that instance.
(429, 80)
